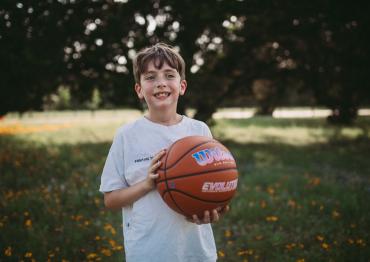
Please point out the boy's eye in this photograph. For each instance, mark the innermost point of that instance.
(149, 77)
(170, 75)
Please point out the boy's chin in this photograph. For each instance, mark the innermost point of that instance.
(164, 105)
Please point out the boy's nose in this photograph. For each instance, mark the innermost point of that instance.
(160, 83)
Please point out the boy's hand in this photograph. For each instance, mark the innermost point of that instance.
(152, 171)
(209, 218)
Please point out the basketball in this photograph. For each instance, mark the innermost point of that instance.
(197, 173)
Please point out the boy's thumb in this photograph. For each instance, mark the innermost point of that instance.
(154, 176)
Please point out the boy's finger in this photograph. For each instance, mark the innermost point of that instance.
(155, 166)
(206, 218)
(225, 209)
(158, 156)
(215, 216)
(196, 219)
(153, 176)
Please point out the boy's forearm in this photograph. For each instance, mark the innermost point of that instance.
(126, 196)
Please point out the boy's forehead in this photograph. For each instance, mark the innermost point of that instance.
(154, 66)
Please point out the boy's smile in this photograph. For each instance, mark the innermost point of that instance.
(162, 95)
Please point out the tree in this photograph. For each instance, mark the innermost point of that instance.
(50, 43)
(227, 45)
(332, 56)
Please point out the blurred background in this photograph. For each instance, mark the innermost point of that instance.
(69, 54)
(285, 85)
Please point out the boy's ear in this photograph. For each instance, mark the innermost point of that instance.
(138, 91)
(183, 86)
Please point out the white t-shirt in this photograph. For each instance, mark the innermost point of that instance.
(152, 231)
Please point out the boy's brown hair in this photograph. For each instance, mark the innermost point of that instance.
(159, 54)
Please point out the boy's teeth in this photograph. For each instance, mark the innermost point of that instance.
(162, 94)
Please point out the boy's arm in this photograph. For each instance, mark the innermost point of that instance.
(124, 197)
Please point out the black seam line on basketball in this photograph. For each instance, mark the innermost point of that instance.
(211, 140)
(165, 169)
(165, 165)
(165, 175)
(173, 200)
(198, 145)
(195, 174)
(197, 198)
(186, 214)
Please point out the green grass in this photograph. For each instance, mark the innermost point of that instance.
(303, 193)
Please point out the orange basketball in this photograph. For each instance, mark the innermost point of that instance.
(198, 173)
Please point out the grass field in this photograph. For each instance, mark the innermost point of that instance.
(303, 193)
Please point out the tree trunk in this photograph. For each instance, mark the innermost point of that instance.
(343, 115)
(204, 113)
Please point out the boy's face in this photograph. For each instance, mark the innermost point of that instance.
(160, 88)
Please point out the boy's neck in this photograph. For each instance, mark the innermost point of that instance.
(164, 119)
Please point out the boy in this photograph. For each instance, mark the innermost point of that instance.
(152, 231)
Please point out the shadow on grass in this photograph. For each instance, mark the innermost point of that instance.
(313, 196)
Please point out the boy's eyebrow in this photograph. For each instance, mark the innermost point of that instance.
(166, 70)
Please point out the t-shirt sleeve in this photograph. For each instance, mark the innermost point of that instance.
(206, 130)
(113, 176)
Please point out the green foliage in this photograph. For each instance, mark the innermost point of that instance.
(319, 45)
(63, 100)
(95, 100)
(60, 101)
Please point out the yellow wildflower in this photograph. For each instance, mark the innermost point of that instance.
(259, 237)
(118, 248)
(325, 246)
(271, 190)
(335, 214)
(221, 253)
(227, 233)
(8, 251)
(28, 223)
(290, 246)
(360, 242)
(109, 227)
(315, 181)
(112, 243)
(272, 218)
(92, 256)
(292, 203)
(320, 238)
(106, 252)
(242, 253)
